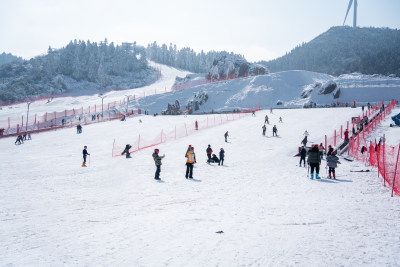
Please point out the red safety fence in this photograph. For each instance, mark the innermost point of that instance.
(183, 130)
(380, 155)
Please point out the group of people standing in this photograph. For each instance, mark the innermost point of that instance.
(274, 129)
(21, 138)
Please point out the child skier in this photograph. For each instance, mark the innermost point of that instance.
(157, 161)
(85, 153)
(226, 136)
(274, 131)
(266, 119)
(332, 160)
(264, 129)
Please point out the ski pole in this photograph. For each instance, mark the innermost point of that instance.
(89, 161)
(308, 170)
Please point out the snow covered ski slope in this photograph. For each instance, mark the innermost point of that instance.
(113, 213)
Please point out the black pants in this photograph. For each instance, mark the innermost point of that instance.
(189, 170)
(331, 170)
(209, 156)
(226, 140)
(263, 132)
(158, 170)
(84, 158)
(302, 159)
(274, 134)
(316, 166)
(221, 161)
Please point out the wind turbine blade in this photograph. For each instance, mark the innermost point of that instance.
(348, 9)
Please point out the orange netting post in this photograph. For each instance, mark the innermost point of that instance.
(395, 170)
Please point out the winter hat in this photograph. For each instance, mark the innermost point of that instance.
(85, 147)
(316, 146)
(333, 153)
(156, 150)
(192, 148)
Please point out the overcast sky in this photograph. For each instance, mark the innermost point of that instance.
(257, 29)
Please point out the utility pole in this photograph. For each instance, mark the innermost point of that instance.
(127, 96)
(27, 116)
(102, 99)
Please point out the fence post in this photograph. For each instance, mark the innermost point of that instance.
(341, 131)
(395, 169)
(17, 128)
(334, 138)
(22, 121)
(347, 125)
(8, 122)
(35, 118)
(326, 141)
(384, 161)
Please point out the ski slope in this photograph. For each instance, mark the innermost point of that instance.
(113, 213)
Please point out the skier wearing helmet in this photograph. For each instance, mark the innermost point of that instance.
(126, 150)
(157, 161)
(85, 153)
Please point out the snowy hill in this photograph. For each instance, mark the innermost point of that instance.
(54, 212)
(288, 89)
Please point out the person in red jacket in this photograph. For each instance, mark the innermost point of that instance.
(209, 152)
(346, 136)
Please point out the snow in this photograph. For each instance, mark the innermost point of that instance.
(54, 212)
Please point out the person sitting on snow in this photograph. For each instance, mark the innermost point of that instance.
(214, 159)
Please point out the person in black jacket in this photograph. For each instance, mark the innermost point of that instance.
(221, 156)
(85, 153)
(226, 136)
(303, 153)
(330, 150)
(126, 150)
(214, 159)
(314, 160)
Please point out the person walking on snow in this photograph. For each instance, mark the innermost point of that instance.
(304, 141)
(209, 151)
(126, 150)
(280, 119)
(226, 136)
(221, 157)
(85, 153)
(303, 153)
(332, 160)
(157, 161)
(274, 131)
(191, 159)
(264, 129)
(314, 160)
(266, 119)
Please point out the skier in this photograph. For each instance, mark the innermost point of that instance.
(19, 139)
(304, 141)
(85, 153)
(314, 160)
(321, 150)
(196, 126)
(126, 150)
(157, 161)
(266, 119)
(270, 110)
(78, 129)
(303, 153)
(29, 136)
(264, 129)
(123, 117)
(330, 150)
(274, 131)
(253, 113)
(209, 151)
(221, 157)
(226, 136)
(214, 159)
(191, 159)
(280, 119)
(332, 160)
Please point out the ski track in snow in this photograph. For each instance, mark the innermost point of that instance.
(54, 212)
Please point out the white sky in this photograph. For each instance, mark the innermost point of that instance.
(257, 29)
